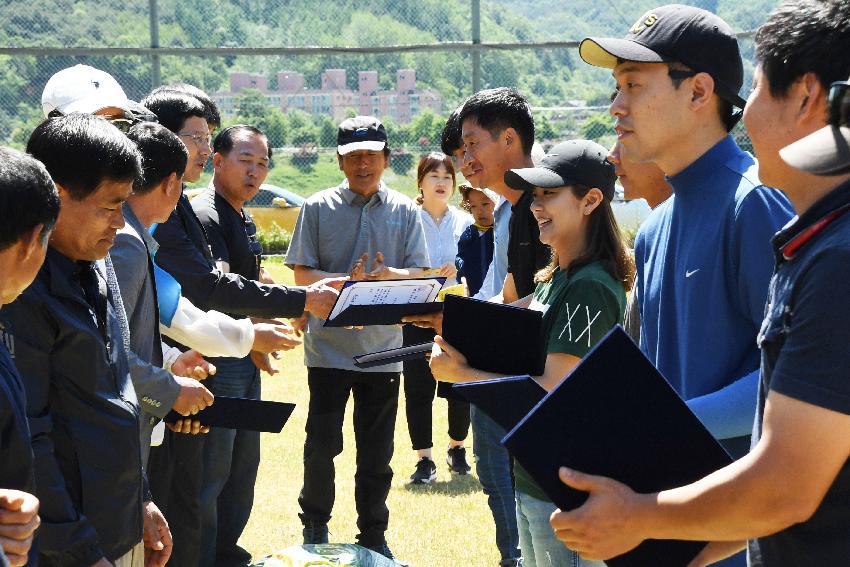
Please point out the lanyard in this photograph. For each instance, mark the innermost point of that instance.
(790, 248)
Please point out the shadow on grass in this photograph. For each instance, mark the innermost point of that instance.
(457, 486)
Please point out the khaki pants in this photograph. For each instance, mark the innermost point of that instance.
(133, 558)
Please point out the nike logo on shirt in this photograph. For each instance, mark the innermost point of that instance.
(689, 273)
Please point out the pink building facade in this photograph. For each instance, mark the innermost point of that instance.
(335, 98)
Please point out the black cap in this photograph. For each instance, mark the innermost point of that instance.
(568, 163)
(692, 36)
(361, 133)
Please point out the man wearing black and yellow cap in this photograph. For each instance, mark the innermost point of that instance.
(703, 257)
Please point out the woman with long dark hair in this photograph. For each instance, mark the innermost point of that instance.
(582, 293)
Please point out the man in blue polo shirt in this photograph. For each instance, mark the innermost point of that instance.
(790, 495)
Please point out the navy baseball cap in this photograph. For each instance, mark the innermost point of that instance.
(677, 33)
(568, 163)
(361, 133)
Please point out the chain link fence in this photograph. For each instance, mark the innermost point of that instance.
(296, 68)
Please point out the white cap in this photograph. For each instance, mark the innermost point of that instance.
(82, 89)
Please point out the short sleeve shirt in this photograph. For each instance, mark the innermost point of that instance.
(526, 254)
(805, 354)
(334, 228)
(232, 234)
(580, 309)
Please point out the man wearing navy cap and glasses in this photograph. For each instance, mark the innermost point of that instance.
(789, 495)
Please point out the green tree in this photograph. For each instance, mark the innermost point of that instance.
(597, 126)
(543, 129)
(254, 109)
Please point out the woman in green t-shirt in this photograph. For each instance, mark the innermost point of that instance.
(582, 294)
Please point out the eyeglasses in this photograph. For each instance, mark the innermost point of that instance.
(201, 140)
(839, 103)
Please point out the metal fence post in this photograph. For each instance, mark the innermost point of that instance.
(476, 40)
(154, 26)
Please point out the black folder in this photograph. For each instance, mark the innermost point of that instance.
(495, 337)
(389, 356)
(366, 315)
(615, 415)
(505, 400)
(382, 314)
(240, 413)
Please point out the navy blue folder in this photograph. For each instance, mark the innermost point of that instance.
(241, 413)
(615, 415)
(504, 400)
(495, 337)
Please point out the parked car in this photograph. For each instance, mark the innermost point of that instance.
(271, 204)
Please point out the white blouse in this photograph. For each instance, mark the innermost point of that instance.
(441, 239)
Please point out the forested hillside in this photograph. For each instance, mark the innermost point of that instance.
(548, 76)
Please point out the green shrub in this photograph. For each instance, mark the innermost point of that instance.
(401, 161)
(275, 240)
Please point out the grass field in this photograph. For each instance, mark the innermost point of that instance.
(445, 524)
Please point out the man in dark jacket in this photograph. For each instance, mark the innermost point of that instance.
(29, 206)
(69, 348)
(185, 252)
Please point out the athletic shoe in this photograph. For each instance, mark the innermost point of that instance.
(456, 459)
(425, 473)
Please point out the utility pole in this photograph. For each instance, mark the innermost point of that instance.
(154, 27)
(476, 40)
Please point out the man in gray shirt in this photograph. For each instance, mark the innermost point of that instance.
(361, 228)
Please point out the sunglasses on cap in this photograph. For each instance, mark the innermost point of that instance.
(839, 103)
(123, 122)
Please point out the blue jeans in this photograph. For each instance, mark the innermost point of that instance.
(493, 466)
(540, 547)
(231, 460)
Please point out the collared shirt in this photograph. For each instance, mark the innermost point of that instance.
(495, 278)
(526, 254)
(442, 238)
(805, 355)
(334, 228)
(83, 417)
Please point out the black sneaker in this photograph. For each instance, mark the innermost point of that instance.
(456, 459)
(425, 473)
(315, 532)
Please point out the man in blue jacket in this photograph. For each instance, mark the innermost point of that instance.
(69, 348)
(29, 206)
(703, 257)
